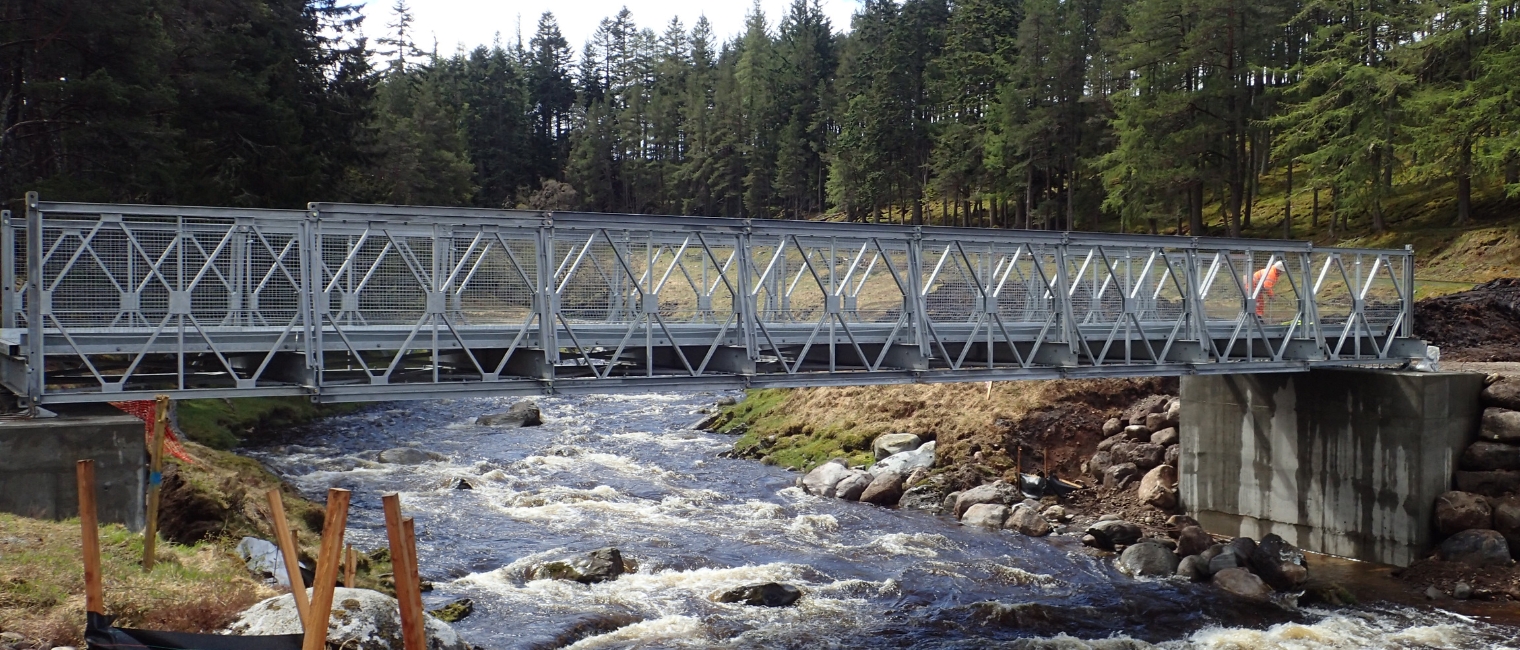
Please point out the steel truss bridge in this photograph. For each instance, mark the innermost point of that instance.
(344, 302)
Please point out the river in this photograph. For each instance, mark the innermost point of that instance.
(626, 471)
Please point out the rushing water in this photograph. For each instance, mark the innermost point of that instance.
(626, 471)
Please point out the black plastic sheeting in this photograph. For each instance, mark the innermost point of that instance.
(99, 635)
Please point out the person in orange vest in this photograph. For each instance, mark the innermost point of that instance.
(1267, 278)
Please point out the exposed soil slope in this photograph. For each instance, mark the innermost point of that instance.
(1482, 324)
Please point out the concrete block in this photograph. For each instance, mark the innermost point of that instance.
(37, 459)
(1341, 461)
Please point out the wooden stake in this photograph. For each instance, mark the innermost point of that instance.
(350, 565)
(89, 534)
(155, 479)
(1019, 455)
(288, 549)
(329, 558)
(404, 572)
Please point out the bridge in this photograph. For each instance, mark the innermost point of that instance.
(345, 302)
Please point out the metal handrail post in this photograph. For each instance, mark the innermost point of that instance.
(36, 361)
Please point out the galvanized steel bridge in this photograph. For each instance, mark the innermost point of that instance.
(346, 302)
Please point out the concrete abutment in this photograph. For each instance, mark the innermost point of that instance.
(1347, 462)
(37, 459)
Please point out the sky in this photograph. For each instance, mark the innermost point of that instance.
(477, 22)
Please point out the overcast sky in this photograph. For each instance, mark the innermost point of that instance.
(476, 22)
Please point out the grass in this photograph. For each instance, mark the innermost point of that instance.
(227, 423)
(197, 588)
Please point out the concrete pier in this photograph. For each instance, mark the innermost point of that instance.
(37, 459)
(1347, 462)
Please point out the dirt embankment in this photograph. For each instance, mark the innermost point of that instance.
(1478, 325)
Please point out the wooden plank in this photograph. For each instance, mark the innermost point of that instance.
(329, 558)
(413, 601)
(89, 533)
(288, 549)
(350, 565)
(155, 480)
(404, 574)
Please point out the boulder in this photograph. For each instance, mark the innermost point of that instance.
(948, 507)
(1483, 455)
(1114, 532)
(1137, 432)
(998, 492)
(521, 414)
(905, 462)
(1504, 394)
(921, 497)
(1477, 548)
(454, 611)
(1224, 559)
(1155, 421)
(1193, 568)
(1173, 454)
(404, 456)
(1100, 463)
(1165, 437)
(894, 443)
(884, 490)
(1192, 540)
(1112, 426)
(1500, 425)
(1279, 563)
(726, 400)
(852, 485)
(918, 474)
(1055, 513)
(1120, 476)
(1459, 511)
(1461, 591)
(822, 480)
(362, 620)
(1109, 442)
(1148, 558)
(1243, 547)
(600, 565)
(1024, 520)
(1146, 455)
(1507, 520)
(1158, 488)
(1494, 483)
(1147, 405)
(765, 594)
(1179, 522)
(1241, 583)
(986, 515)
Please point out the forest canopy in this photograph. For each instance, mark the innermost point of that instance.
(1054, 114)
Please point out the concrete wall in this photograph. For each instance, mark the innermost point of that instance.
(1347, 462)
(37, 460)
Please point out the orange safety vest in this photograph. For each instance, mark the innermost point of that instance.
(1271, 273)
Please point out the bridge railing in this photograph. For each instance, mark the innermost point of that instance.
(348, 302)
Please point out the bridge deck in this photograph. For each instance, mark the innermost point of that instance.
(364, 302)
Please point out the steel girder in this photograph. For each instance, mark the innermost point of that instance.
(346, 302)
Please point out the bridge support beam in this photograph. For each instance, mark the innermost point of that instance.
(37, 459)
(1347, 462)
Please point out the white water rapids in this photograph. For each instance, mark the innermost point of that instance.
(626, 471)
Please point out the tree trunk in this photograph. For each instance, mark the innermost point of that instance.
(1314, 211)
(1195, 209)
(1464, 184)
(1288, 205)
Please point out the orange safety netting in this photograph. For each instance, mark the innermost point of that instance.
(145, 410)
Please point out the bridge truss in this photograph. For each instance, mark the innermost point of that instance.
(345, 302)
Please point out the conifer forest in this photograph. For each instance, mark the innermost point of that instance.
(1173, 116)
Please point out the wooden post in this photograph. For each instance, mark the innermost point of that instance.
(408, 592)
(350, 565)
(328, 560)
(290, 551)
(155, 479)
(89, 534)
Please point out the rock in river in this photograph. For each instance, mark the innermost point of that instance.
(922, 497)
(823, 478)
(852, 485)
(986, 515)
(1192, 540)
(894, 443)
(907, 461)
(1193, 567)
(597, 566)
(1476, 548)
(1114, 532)
(766, 594)
(1242, 583)
(1023, 519)
(884, 490)
(522, 414)
(1148, 558)
(998, 492)
(405, 456)
(362, 620)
